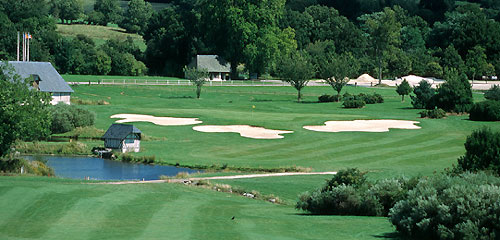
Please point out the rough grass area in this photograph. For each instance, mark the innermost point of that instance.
(410, 152)
(100, 34)
(48, 208)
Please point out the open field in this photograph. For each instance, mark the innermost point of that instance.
(100, 34)
(45, 208)
(411, 152)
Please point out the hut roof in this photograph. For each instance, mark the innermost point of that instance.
(212, 63)
(120, 131)
(50, 80)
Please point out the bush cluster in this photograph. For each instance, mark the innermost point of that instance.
(493, 93)
(328, 98)
(423, 95)
(367, 98)
(455, 95)
(450, 207)
(354, 103)
(485, 111)
(434, 113)
(137, 159)
(67, 117)
(482, 152)
(14, 165)
(348, 193)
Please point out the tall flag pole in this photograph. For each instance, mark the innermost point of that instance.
(24, 47)
(18, 46)
(28, 36)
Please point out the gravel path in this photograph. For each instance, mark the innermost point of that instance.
(180, 180)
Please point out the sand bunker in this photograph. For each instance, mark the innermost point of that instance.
(244, 131)
(163, 121)
(365, 78)
(363, 126)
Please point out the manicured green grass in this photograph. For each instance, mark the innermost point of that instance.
(45, 208)
(100, 34)
(409, 152)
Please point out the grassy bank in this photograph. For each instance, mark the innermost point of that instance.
(48, 208)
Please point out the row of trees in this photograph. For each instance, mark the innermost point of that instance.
(386, 40)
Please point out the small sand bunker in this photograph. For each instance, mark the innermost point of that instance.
(244, 131)
(163, 121)
(363, 126)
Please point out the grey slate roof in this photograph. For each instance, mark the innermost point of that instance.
(212, 63)
(50, 80)
(120, 131)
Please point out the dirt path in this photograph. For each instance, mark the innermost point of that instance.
(180, 180)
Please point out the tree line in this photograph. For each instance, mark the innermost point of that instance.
(386, 39)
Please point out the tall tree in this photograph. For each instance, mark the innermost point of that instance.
(66, 9)
(337, 70)
(452, 59)
(136, 17)
(109, 11)
(476, 62)
(24, 113)
(198, 77)
(245, 31)
(404, 89)
(296, 70)
(384, 33)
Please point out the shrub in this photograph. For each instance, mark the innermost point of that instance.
(434, 113)
(455, 95)
(485, 111)
(137, 159)
(482, 151)
(423, 95)
(450, 207)
(14, 165)
(370, 99)
(348, 193)
(354, 103)
(341, 200)
(493, 93)
(67, 117)
(328, 98)
(350, 177)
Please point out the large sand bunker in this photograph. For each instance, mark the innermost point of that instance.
(163, 121)
(244, 131)
(363, 126)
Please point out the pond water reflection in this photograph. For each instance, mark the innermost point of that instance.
(104, 169)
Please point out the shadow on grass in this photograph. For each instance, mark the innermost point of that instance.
(176, 97)
(308, 102)
(391, 235)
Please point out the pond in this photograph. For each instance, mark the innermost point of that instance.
(104, 169)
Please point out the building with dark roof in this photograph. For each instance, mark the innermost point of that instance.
(125, 137)
(45, 78)
(217, 67)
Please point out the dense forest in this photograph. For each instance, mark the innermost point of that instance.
(386, 37)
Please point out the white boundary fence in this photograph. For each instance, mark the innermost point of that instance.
(184, 82)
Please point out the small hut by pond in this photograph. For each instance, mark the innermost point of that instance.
(124, 137)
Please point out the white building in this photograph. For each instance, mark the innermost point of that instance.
(124, 137)
(218, 68)
(45, 78)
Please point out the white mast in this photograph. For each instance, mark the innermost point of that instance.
(18, 46)
(28, 54)
(24, 46)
